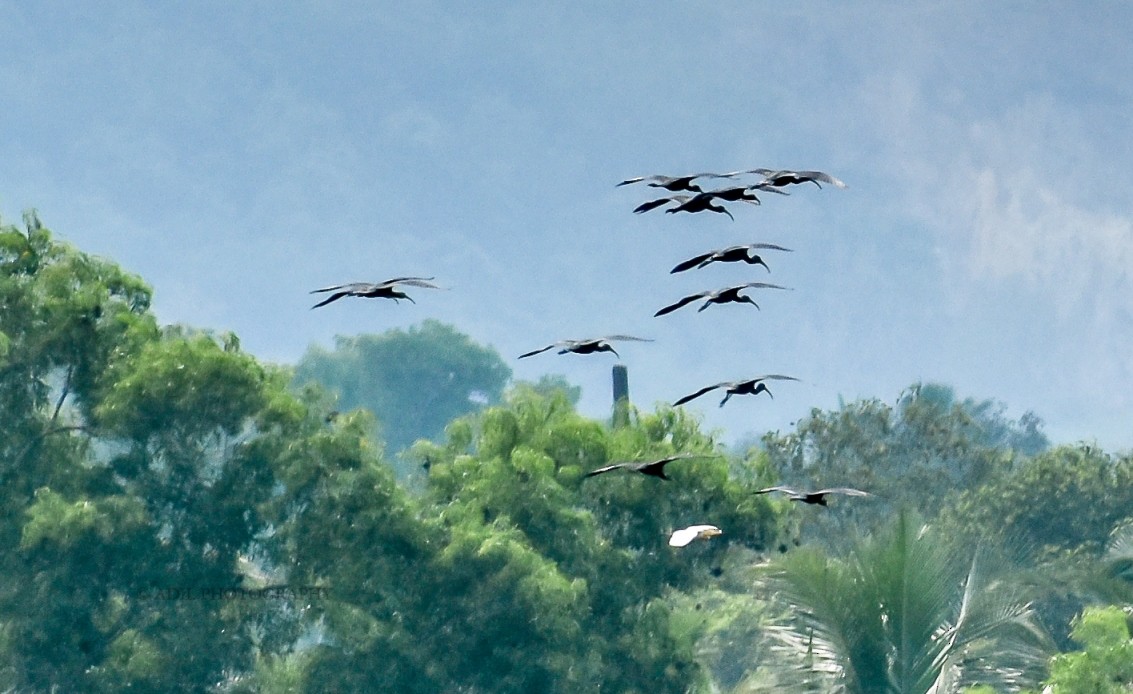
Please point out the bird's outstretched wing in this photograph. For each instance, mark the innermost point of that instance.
(773, 377)
(538, 351)
(333, 297)
(660, 463)
(759, 285)
(733, 174)
(785, 490)
(692, 262)
(415, 281)
(629, 338)
(767, 188)
(411, 282)
(848, 491)
(657, 178)
(683, 302)
(697, 394)
(649, 467)
(821, 176)
(607, 468)
(345, 288)
(761, 247)
(653, 204)
(733, 193)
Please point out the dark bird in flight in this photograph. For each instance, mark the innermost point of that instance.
(597, 344)
(727, 295)
(815, 497)
(674, 183)
(752, 386)
(383, 290)
(732, 254)
(653, 468)
(743, 193)
(700, 202)
(777, 179)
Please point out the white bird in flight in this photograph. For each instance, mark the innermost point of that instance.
(682, 537)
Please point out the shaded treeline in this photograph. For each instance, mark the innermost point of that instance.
(180, 517)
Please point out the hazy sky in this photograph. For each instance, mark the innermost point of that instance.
(238, 155)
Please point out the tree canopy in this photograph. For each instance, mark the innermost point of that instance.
(903, 611)
(415, 381)
(176, 516)
(916, 453)
(179, 516)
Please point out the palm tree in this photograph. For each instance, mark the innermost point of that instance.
(901, 613)
(1106, 580)
(1119, 553)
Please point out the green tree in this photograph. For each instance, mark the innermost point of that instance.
(904, 612)
(131, 480)
(523, 577)
(1119, 559)
(1054, 513)
(549, 383)
(116, 478)
(914, 454)
(139, 462)
(415, 381)
(1104, 665)
(1069, 498)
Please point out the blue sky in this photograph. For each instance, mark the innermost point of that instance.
(237, 155)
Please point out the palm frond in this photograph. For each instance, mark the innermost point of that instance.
(1119, 552)
(903, 611)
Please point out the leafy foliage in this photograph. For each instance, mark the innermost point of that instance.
(147, 473)
(1065, 499)
(108, 490)
(902, 612)
(517, 470)
(913, 454)
(415, 381)
(1054, 513)
(1105, 665)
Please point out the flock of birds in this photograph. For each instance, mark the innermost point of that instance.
(686, 195)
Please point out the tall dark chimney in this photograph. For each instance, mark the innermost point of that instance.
(621, 396)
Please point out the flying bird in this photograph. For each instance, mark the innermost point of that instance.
(382, 290)
(815, 497)
(727, 295)
(682, 537)
(653, 468)
(733, 194)
(590, 346)
(743, 193)
(700, 202)
(777, 179)
(732, 254)
(752, 386)
(674, 183)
